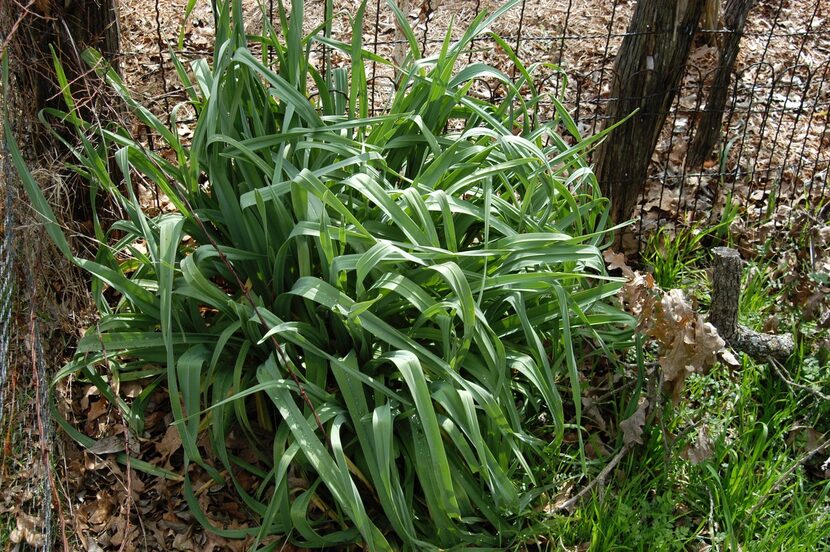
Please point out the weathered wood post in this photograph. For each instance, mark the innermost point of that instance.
(709, 127)
(723, 312)
(647, 72)
(726, 291)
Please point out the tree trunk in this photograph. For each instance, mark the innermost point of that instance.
(647, 72)
(709, 127)
(710, 22)
(70, 27)
(726, 291)
(95, 23)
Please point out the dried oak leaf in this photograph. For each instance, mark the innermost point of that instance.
(701, 449)
(92, 546)
(170, 443)
(693, 351)
(615, 261)
(690, 344)
(664, 200)
(590, 411)
(97, 409)
(27, 531)
(183, 542)
(674, 319)
(131, 389)
(104, 505)
(729, 358)
(122, 441)
(124, 534)
(632, 426)
(639, 296)
(108, 445)
(706, 345)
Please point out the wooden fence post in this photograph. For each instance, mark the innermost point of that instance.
(723, 312)
(647, 72)
(709, 127)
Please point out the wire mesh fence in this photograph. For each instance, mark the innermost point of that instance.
(24, 390)
(26, 480)
(770, 154)
(771, 150)
(6, 275)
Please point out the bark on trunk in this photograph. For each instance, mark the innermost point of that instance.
(726, 291)
(647, 72)
(31, 32)
(709, 127)
(67, 27)
(710, 22)
(70, 27)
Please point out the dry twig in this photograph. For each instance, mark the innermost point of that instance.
(26, 12)
(570, 503)
(781, 371)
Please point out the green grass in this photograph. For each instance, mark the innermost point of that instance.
(676, 255)
(750, 494)
(755, 491)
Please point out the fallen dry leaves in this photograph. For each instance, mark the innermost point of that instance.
(632, 427)
(687, 343)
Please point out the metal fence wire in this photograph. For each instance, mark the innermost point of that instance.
(771, 154)
(25, 424)
(24, 390)
(772, 151)
(6, 274)
(24, 395)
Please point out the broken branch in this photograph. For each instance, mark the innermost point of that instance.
(723, 313)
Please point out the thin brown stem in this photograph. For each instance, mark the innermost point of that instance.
(286, 361)
(26, 12)
(793, 385)
(570, 503)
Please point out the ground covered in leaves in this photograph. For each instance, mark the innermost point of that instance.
(775, 148)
